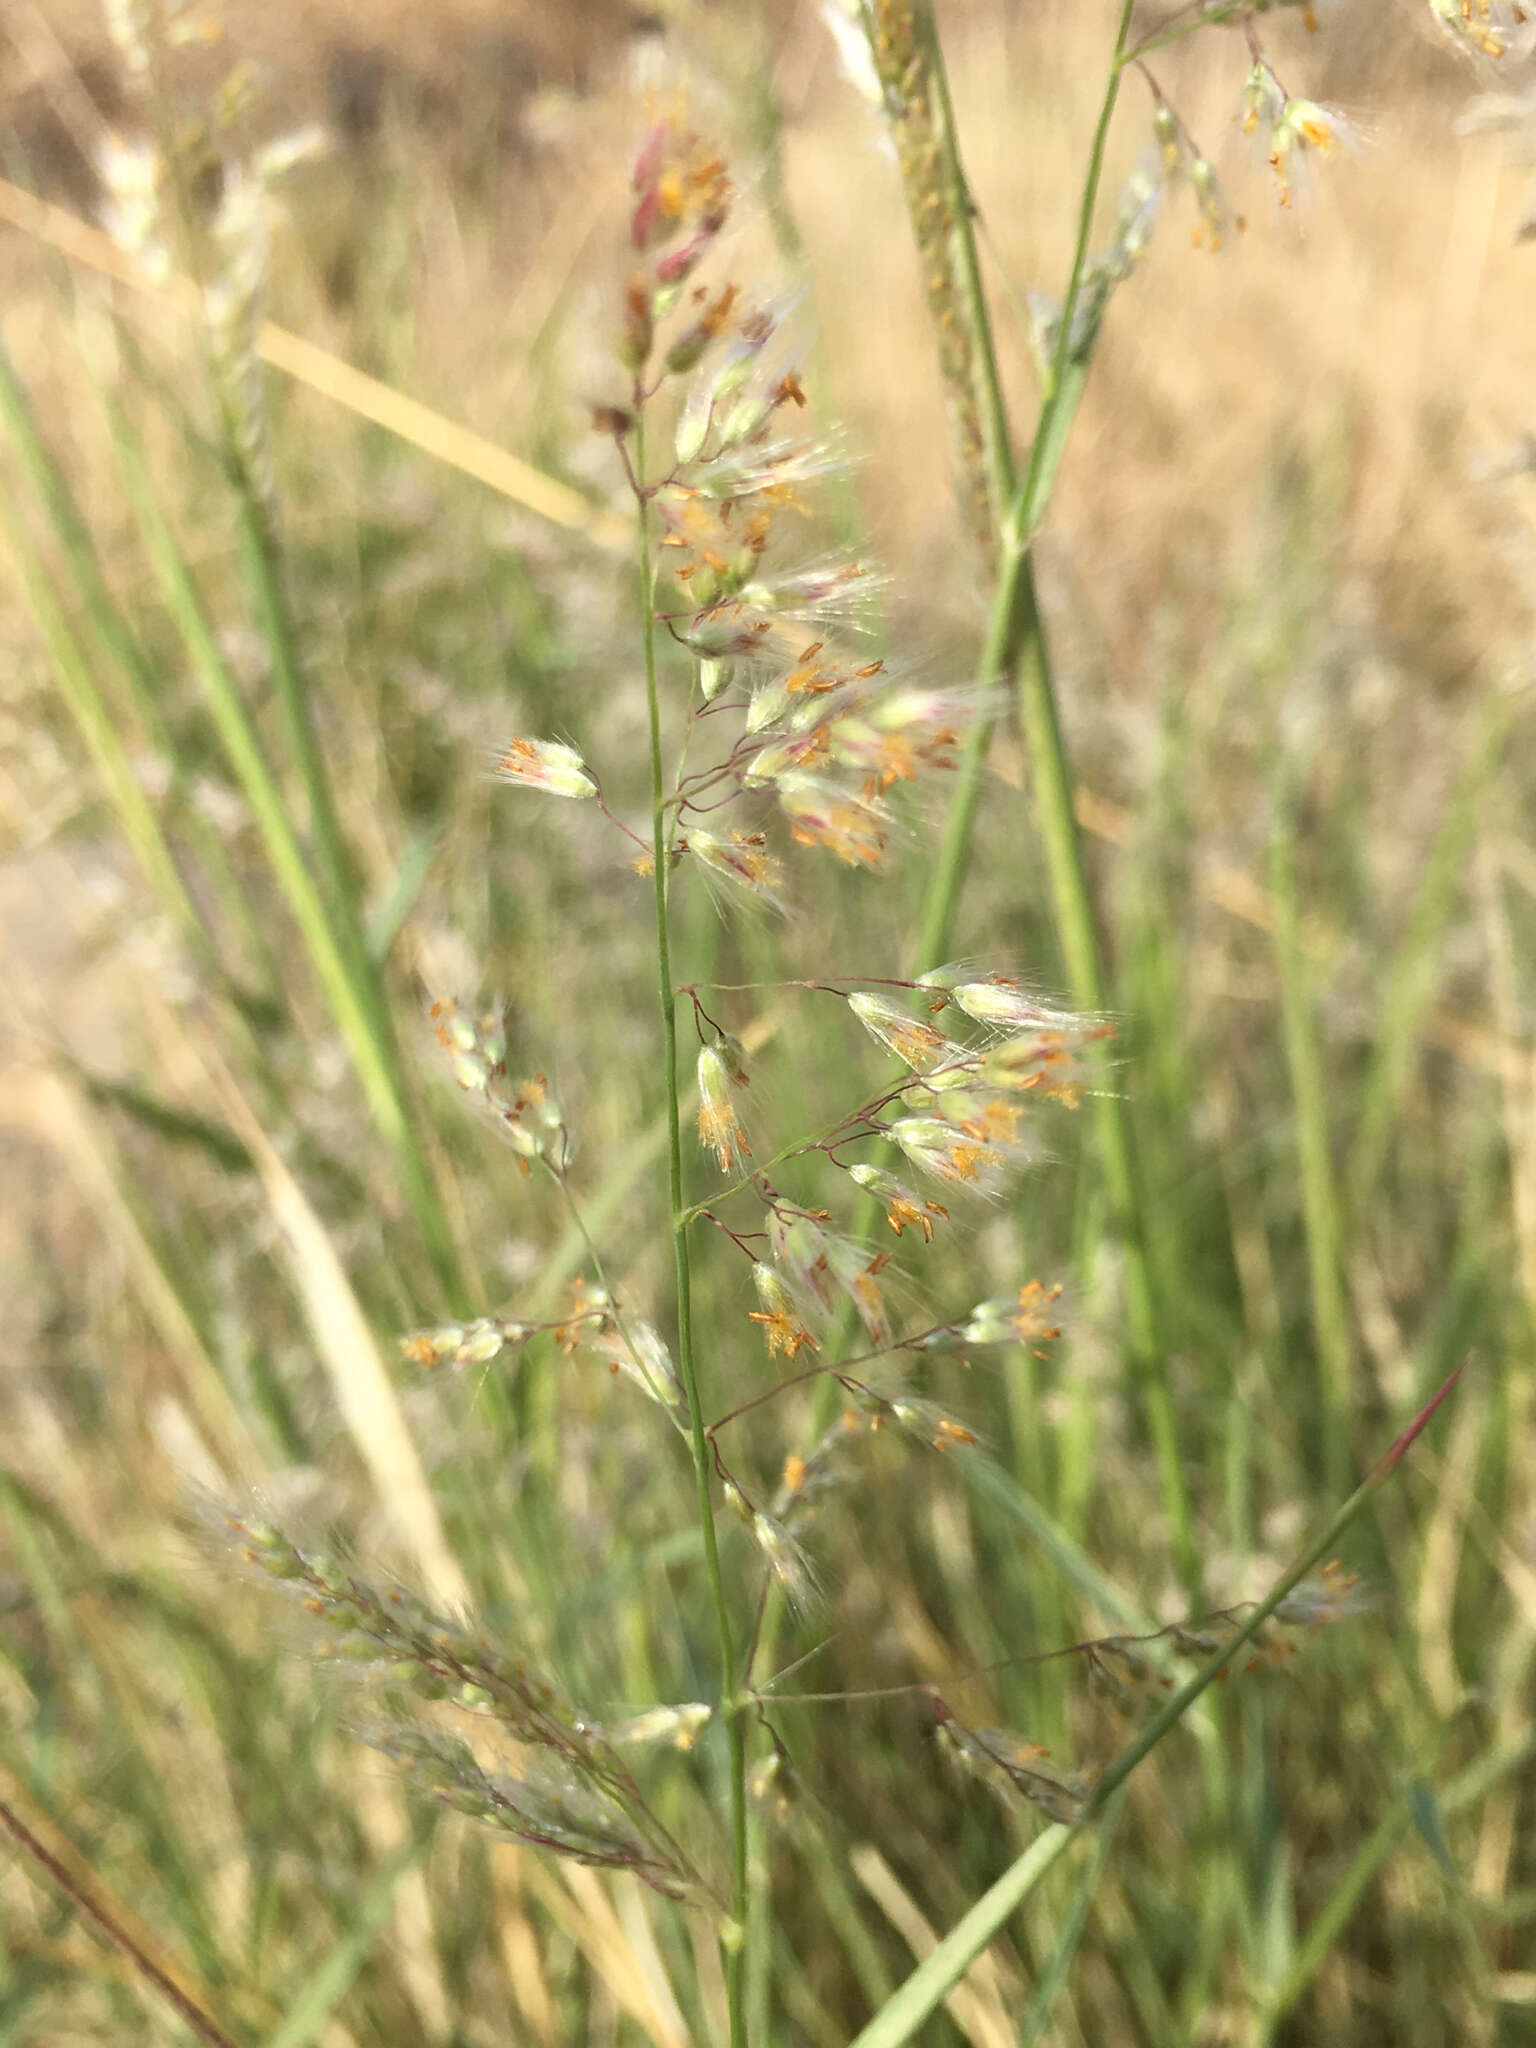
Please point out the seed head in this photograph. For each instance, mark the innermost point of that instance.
(859, 1277)
(1026, 1318)
(996, 1000)
(951, 1153)
(799, 1247)
(719, 1126)
(548, 765)
(787, 1561)
(780, 1314)
(931, 1425)
(920, 1045)
(676, 1725)
(903, 1207)
(462, 1344)
(820, 813)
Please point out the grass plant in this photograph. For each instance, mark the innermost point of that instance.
(836, 1520)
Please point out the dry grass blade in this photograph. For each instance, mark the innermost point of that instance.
(47, 1849)
(306, 363)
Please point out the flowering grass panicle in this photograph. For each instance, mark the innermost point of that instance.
(772, 726)
(566, 1790)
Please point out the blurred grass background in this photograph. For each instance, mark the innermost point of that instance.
(1287, 572)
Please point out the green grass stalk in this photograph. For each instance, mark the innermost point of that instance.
(98, 729)
(736, 1747)
(339, 967)
(1016, 646)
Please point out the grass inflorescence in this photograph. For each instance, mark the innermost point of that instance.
(844, 1463)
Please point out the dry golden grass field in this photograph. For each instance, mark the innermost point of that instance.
(1286, 577)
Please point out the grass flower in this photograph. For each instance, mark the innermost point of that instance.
(904, 1208)
(547, 765)
(780, 1316)
(919, 1045)
(720, 1129)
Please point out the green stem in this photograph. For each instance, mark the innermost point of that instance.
(732, 1706)
(338, 968)
(259, 552)
(1016, 644)
(79, 559)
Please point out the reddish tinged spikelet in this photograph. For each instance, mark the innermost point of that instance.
(742, 858)
(920, 1045)
(681, 187)
(547, 765)
(1009, 1763)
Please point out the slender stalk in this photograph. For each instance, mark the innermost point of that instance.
(1016, 646)
(258, 553)
(731, 1705)
(114, 638)
(98, 729)
(340, 971)
(114, 1926)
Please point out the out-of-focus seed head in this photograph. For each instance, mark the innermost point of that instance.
(638, 1351)
(545, 764)
(773, 1785)
(678, 1726)
(929, 1424)
(787, 1561)
(799, 1247)
(858, 1274)
(1010, 1764)
(1498, 28)
(1025, 1318)
(855, 827)
(1316, 1603)
(463, 1344)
